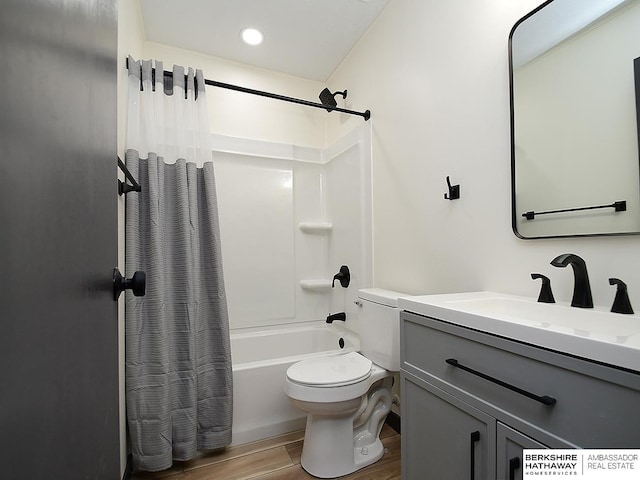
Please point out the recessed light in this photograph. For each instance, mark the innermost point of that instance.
(251, 36)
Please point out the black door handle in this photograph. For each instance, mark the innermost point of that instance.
(514, 464)
(474, 438)
(545, 400)
(137, 283)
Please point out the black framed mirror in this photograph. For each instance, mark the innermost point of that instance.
(575, 96)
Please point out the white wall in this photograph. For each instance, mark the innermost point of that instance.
(435, 76)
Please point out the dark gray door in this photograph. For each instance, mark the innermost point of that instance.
(58, 240)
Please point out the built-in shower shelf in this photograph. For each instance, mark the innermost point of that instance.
(316, 285)
(318, 228)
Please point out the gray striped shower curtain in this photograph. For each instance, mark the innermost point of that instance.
(178, 357)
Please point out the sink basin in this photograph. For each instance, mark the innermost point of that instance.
(594, 334)
(554, 316)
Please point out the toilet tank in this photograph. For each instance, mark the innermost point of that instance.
(379, 321)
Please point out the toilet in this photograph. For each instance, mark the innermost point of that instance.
(347, 396)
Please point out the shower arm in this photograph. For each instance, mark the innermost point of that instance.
(366, 114)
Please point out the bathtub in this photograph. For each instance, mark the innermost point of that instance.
(260, 360)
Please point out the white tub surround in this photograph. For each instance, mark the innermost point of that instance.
(290, 216)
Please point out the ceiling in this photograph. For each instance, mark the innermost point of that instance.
(305, 38)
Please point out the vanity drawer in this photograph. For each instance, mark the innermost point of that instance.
(596, 406)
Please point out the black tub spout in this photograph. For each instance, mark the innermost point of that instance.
(337, 316)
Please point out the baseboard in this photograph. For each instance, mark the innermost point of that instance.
(393, 420)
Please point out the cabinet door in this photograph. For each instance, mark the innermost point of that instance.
(444, 438)
(510, 444)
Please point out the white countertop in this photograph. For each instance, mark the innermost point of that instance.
(592, 333)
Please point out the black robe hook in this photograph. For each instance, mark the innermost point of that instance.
(454, 191)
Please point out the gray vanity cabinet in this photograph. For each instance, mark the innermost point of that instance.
(509, 446)
(453, 441)
(471, 401)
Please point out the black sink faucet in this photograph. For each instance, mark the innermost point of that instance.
(581, 288)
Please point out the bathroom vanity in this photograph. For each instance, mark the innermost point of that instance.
(485, 375)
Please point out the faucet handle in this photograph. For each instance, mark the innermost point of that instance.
(343, 276)
(621, 303)
(546, 295)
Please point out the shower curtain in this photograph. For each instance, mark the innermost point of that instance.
(178, 355)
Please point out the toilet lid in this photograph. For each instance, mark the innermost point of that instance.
(332, 371)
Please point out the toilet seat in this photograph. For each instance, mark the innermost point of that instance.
(332, 371)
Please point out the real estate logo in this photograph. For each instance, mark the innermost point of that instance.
(607, 464)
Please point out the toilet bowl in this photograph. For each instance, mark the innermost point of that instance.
(347, 396)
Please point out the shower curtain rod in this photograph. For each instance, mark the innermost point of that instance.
(366, 114)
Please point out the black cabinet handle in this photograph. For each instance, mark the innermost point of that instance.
(545, 400)
(474, 438)
(514, 464)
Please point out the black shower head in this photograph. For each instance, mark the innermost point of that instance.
(328, 98)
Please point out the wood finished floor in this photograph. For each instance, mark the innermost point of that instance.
(275, 458)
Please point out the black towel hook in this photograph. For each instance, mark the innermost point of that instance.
(454, 191)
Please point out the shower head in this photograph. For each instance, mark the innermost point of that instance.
(328, 98)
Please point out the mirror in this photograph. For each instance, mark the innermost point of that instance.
(575, 94)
